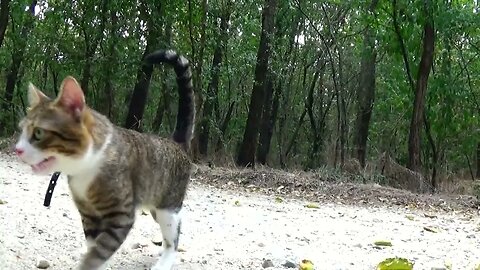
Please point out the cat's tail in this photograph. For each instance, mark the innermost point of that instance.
(186, 104)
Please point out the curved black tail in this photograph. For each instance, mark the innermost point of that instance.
(186, 104)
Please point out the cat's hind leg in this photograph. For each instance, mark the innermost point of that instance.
(170, 222)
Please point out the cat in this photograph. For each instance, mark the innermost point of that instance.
(112, 171)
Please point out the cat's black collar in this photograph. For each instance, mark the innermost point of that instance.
(51, 186)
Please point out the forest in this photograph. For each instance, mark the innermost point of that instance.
(288, 84)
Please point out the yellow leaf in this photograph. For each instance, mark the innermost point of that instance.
(312, 205)
(306, 265)
(395, 264)
(448, 265)
(383, 243)
(409, 217)
(278, 199)
(237, 203)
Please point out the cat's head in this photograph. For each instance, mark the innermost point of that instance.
(55, 132)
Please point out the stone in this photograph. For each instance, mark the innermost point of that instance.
(267, 263)
(42, 263)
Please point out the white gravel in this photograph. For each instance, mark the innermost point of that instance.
(218, 234)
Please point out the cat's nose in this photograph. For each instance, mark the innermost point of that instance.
(19, 151)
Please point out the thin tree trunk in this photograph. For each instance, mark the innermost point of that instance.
(164, 103)
(212, 90)
(414, 161)
(107, 95)
(224, 126)
(4, 9)
(478, 161)
(91, 44)
(17, 59)
(246, 155)
(365, 92)
(197, 63)
(144, 75)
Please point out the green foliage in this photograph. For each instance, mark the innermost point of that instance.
(310, 36)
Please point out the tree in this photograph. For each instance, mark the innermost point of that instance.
(414, 161)
(4, 9)
(144, 74)
(365, 91)
(212, 89)
(246, 155)
(17, 59)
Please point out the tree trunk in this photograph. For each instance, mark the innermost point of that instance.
(365, 92)
(266, 126)
(212, 90)
(414, 162)
(91, 44)
(478, 161)
(246, 155)
(107, 97)
(4, 9)
(164, 102)
(144, 75)
(17, 58)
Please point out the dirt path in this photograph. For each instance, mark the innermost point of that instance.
(218, 234)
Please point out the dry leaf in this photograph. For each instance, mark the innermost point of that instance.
(312, 205)
(431, 229)
(383, 243)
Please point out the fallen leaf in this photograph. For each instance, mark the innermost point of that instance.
(429, 215)
(312, 205)
(237, 203)
(383, 243)
(448, 265)
(278, 199)
(2, 201)
(395, 264)
(431, 229)
(409, 217)
(306, 265)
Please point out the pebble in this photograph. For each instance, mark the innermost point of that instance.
(42, 263)
(136, 245)
(157, 241)
(289, 264)
(267, 263)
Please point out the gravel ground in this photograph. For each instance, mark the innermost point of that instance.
(234, 229)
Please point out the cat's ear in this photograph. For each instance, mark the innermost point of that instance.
(71, 96)
(35, 96)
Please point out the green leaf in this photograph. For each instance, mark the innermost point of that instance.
(383, 243)
(395, 264)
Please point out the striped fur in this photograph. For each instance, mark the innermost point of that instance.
(112, 171)
(186, 105)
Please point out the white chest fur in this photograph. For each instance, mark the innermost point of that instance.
(79, 184)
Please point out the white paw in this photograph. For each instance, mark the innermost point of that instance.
(166, 261)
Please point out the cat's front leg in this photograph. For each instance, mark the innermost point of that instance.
(114, 229)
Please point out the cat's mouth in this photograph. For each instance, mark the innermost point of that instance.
(43, 165)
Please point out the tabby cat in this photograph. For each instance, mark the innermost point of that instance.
(111, 170)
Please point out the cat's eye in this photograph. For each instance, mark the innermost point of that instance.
(38, 134)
